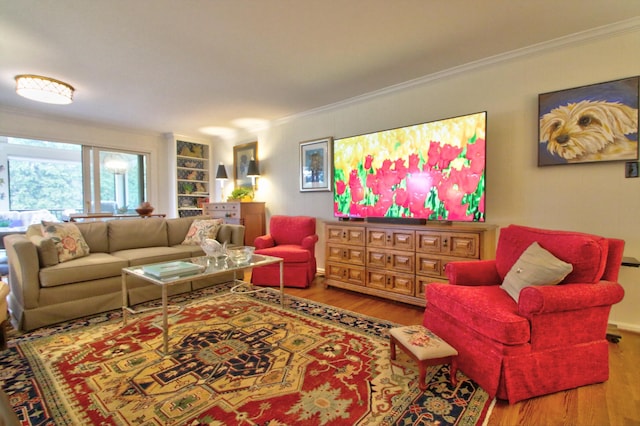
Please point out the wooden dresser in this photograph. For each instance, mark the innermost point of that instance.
(250, 214)
(397, 261)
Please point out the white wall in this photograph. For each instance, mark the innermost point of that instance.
(586, 197)
(592, 198)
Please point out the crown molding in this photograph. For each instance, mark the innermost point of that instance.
(602, 32)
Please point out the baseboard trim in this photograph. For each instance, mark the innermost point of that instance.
(625, 326)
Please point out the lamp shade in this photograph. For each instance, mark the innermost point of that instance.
(44, 89)
(252, 170)
(221, 173)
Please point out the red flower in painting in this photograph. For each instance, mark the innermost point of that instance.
(414, 160)
(390, 178)
(341, 186)
(476, 153)
(401, 169)
(373, 183)
(384, 202)
(357, 191)
(447, 154)
(367, 162)
(402, 197)
(466, 181)
(357, 210)
(434, 154)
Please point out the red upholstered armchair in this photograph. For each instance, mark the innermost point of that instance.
(294, 239)
(553, 338)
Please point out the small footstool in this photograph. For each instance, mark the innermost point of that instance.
(425, 348)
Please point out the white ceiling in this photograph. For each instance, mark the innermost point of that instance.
(182, 65)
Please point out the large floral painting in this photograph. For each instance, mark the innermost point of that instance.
(433, 170)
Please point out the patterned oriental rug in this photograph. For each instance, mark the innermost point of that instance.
(235, 359)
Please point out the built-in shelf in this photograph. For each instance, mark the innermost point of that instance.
(193, 173)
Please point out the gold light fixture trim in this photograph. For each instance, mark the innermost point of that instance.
(44, 89)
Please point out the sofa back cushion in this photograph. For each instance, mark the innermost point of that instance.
(137, 233)
(587, 253)
(177, 228)
(95, 234)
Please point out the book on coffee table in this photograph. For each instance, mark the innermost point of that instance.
(176, 268)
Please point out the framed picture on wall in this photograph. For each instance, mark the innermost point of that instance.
(315, 165)
(588, 124)
(242, 154)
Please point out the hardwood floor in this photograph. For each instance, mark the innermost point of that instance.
(615, 402)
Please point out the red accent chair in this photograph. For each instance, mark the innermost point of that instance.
(293, 238)
(553, 338)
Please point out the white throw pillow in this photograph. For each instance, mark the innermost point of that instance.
(536, 266)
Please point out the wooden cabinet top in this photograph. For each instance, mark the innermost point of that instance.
(430, 226)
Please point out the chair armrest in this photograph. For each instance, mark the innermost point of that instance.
(473, 273)
(309, 242)
(536, 300)
(264, 241)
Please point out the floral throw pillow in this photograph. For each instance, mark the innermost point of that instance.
(67, 238)
(202, 229)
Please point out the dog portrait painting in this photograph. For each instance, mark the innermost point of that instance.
(589, 123)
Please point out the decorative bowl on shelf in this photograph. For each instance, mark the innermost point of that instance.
(240, 255)
(144, 211)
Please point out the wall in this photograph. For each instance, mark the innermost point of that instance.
(585, 197)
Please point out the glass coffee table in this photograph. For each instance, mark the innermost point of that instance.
(209, 267)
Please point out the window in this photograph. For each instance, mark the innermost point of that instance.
(65, 178)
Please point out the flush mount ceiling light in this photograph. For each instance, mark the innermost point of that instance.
(44, 89)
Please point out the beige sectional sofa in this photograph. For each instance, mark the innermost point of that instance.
(45, 291)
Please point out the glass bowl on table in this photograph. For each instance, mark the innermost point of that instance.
(214, 250)
(240, 255)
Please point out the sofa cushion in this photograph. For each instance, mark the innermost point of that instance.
(142, 256)
(177, 228)
(201, 230)
(92, 267)
(536, 266)
(96, 235)
(289, 253)
(488, 310)
(68, 240)
(137, 233)
(587, 253)
(189, 250)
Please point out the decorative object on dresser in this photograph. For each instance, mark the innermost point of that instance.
(292, 238)
(553, 337)
(249, 214)
(397, 261)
